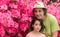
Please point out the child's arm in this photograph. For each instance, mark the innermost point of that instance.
(27, 36)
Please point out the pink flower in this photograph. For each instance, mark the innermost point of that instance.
(15, 13)
(6, 19)
(16, 25)
(2, 31)
(11, 31)
(12, 5)
(3, 7)
(6, 36)
(24, 25)
(58, 18)
(24, 17)
(19, 35)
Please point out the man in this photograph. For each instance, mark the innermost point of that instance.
(50, 22)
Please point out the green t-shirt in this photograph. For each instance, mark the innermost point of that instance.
(51, 25)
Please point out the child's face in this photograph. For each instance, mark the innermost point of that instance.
(36, 26)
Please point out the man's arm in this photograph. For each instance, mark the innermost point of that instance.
(55, 34)
(55, 27)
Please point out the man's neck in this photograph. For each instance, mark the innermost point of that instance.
(44, 17)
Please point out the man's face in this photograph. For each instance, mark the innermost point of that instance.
(39, 13)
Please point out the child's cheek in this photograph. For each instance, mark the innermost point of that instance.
(38, 28)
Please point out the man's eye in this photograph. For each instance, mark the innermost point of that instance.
(39, 10)
(35, 11)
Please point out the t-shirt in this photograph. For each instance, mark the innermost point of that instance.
(51, 25)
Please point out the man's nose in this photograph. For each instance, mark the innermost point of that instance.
(38, 13)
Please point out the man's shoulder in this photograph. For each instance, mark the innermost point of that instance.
(50, 16)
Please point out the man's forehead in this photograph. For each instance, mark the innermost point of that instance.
(38, 9)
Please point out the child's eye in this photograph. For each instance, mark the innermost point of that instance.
(36, 24)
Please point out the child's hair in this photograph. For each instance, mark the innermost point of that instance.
(32, 23)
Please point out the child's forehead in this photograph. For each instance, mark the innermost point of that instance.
(37, 21)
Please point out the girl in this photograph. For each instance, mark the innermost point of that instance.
(36, 28)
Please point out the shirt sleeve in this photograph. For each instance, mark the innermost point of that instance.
(54, 25)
